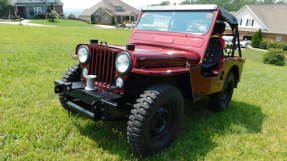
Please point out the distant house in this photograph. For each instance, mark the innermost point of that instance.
(110, 12)
(271, 19)
(35, 8)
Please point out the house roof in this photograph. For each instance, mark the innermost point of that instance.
(13, 2)
(182, 7)
(274, 17)
(110, 6)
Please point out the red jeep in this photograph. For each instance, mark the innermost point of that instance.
(174, 53)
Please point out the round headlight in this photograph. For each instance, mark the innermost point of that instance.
(85, 72)
(83, 54)
(123, 63)
(119, 82)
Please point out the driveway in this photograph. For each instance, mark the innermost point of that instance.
(24, 23)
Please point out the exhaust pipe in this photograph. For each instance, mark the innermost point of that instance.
(90, 86)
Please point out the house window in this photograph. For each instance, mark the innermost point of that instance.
(100, 12)
(240, 22)
(119, 8)
(132, 18)
(279, 38)
(250, 22)
(37, 10)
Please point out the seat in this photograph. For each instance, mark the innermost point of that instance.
(215, 50)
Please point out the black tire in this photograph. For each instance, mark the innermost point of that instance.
(220, 101)
(155, 120)
(73, 74)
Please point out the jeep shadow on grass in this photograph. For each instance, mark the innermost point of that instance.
(196, 139)
(174, 54)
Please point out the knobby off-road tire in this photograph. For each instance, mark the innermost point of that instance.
(155, 120)
(73, 74)
(220, 101)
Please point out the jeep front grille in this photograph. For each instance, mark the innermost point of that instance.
(102, 64)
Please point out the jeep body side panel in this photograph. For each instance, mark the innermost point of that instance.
(202, 86)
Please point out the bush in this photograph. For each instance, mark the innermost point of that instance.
(275, 45)
(72, 16)
(263, 45)
(268, 44)
(39, 16)
(274, 57)
(256, 39)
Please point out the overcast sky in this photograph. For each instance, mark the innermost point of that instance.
(80, 4)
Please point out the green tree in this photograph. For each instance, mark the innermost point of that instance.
(4, 8)
(256, 39)
(163, 3)
(52, 16)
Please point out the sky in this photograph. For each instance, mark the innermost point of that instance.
(82, 4)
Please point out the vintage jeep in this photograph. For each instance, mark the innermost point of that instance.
(174, 53)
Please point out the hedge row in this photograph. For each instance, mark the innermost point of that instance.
(265, 44)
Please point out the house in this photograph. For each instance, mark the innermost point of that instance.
(35, 8)
(110, 12)
(271, 19)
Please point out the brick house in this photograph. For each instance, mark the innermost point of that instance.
(108, 12)
(271, 19)
(34, 8)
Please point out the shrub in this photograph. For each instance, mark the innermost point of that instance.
(72, 16)
(263, 45)
(275, 57)
(256, 39)
(275, 45)
(39, 16)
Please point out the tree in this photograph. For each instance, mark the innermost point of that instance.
(256, 39)
(52, 16)
(163, 3)
(4, 8)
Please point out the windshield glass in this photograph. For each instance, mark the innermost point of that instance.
(194, 22)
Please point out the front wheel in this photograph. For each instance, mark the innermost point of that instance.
(73, 74)
(156, 119)
(220, 101)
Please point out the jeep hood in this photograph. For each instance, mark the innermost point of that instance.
(145, 56)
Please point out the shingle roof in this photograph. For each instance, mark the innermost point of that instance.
(110, 7)
(273, 16)
(13, 2)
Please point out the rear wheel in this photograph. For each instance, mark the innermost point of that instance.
(73, 74)
(156, 119)
(220, 101)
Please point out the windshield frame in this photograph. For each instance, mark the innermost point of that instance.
(166, 11)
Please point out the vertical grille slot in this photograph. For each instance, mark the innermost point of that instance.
(102, 64)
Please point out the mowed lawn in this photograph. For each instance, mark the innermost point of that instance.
(33, 125)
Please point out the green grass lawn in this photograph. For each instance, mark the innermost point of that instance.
(62, 22)
(33, 125)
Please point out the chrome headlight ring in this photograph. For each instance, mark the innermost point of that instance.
(83, 54)
(123, 63)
